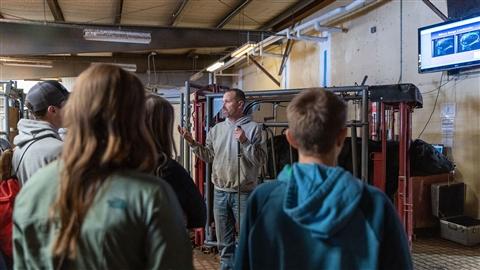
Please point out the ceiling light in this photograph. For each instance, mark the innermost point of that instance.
(35, 65)
(246, 48)
(117, 36)
(215, 66)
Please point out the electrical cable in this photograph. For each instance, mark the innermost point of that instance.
(433, 110)
(401, 42)
(435, 89)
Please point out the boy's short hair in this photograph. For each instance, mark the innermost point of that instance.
(315, 118)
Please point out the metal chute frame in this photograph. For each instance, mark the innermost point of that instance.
(359, 93)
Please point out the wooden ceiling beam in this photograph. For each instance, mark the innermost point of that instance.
(295, 13)
(56, 10)
(118, 12)
(232, 14)
(177, 15)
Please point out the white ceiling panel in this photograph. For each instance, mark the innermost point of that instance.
(89, 11)
(148, 12)
(25, 10)
(206, 13)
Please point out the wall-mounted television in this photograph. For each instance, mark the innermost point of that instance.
(449, 45)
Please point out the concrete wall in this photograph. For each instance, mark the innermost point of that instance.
(359, 52)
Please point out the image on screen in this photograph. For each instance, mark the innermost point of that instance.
(443, 46)
(469, 41)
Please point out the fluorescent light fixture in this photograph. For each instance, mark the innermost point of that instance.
(117, 36)
(215, 66)
(127, 67)
(101, 54)
(35, 65)
(246, 48)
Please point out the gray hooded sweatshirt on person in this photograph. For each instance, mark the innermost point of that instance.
(42, 144)
(221, 149)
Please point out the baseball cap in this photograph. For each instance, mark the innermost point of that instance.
(44, 94)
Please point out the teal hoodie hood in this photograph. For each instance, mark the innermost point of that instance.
(319, 217)
(319, 198)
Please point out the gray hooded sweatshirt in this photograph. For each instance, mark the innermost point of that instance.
(42, 144)
(221, 149)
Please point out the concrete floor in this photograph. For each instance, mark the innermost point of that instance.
(440, 254)
(428, 254)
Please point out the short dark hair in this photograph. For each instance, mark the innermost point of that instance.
(315, 118)
(239, 94)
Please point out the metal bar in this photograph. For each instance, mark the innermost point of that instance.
(264, 70)
(232, 14)
(178, 12)
(274, 156)
(208, 191)
(187, 125)
(228, 75)
(275, 124)
(239, 158)
(384, 145)
(285, 56)
(266, 93)
(435, 10)
(69, 38)
(56, 10)
(353, 131)
(7, 118)
(118, 13)
(404, 171)
(364, 119)
(182, 140)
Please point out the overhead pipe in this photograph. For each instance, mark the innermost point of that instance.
(302, 27)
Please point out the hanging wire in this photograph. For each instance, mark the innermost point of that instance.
(401, 42)
(433, 110)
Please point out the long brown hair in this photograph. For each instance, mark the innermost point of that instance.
(160, 119)
(105, 117)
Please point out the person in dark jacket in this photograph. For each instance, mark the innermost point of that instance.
(160, 116)
(317, 215)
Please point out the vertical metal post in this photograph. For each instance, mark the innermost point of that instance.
(6, 120)
(383, 134)
(353, 131)
(365, 129)
(186, 163)
(208, 191)
(182, 140)
(239, 158)
(404, 194)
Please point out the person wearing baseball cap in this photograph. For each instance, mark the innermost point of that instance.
(38, 142)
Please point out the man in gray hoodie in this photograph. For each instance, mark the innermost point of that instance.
(221, 148)
(38, 142)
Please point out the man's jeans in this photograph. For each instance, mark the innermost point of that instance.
(225, 213)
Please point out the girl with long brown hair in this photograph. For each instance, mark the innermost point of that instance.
(97, 208)
(160, 119)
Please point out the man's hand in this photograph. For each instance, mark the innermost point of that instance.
(186, 135)
(240, 134)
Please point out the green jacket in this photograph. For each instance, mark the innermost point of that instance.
(135, 222)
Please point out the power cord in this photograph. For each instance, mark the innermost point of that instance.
(434, 106)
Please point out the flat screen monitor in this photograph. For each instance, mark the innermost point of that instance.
(449, 45)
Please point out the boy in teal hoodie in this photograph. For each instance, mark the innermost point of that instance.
(317, 215)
